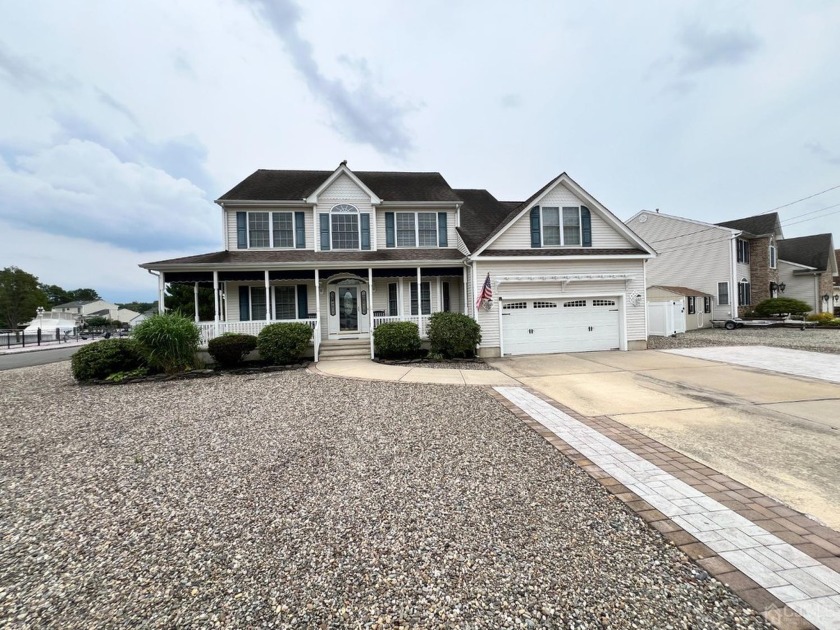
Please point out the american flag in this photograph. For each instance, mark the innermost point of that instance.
(486, 293)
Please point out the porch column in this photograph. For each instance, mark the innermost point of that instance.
(161, 294)
(464, 291)
(216, 302)
(267, 297)
(370, 307)
(317, 337)
(419, 303)
(195, 300)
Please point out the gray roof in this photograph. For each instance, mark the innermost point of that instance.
(758, 225)
(812, 251)
(480, 214)
(681, 290)
(274, 185)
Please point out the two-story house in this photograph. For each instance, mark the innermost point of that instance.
(348, 250)
(807, 265)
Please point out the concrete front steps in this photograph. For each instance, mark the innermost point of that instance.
(344, 349)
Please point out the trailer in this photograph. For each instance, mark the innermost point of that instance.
(737, 322)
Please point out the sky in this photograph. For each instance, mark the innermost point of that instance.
(120, 122)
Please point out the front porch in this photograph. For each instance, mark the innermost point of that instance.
(338, 304)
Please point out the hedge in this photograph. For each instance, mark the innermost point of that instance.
(284, 343)
(454, 335)
(396, 340)
(99, 360)
(230, 349)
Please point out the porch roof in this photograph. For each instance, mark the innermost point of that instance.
(311, 259)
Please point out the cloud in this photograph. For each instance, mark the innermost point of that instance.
(704, 48)
(511, 101)
(83, 189)
(25, 75)
(817, 149)
(75, 261)
(362, 114)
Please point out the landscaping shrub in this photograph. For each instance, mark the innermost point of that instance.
(169, 342)
(98, 361)
(284, 343)
(230, 349)
(822, 318)
(781, 306)
(453, 335)
(396, 340)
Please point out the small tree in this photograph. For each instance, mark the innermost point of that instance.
(20, 296)
(96, 321)
(781, 306)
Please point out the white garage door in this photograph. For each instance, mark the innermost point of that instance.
(548, 325)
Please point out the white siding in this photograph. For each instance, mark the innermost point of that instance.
(462, 247)
(230, 214)
(805, 288)
(233, 295)
(345, 190)
(692, 255)
(692, 320)
(489, 320)
(518, 235)
(452, 237)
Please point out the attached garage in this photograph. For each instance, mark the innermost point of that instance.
(570, 324)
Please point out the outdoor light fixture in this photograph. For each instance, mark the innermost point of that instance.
(782, 286)
(837, 298)
(825, 297)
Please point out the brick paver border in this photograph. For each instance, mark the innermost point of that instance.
(805, 534)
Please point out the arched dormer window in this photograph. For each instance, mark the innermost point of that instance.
(345, 228)
(344, 208)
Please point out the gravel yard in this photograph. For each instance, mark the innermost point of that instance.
(287, 500)
(814, 340)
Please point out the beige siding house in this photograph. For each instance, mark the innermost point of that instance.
(346, 251)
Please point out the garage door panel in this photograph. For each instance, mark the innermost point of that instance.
(534, 326)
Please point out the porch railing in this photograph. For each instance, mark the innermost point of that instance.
(211, 330)
(422, 322)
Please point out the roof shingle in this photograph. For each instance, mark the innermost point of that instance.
(812, 251)
(757, 225)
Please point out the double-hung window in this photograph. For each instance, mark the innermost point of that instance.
(723, 293)
(772, 257)
(417, 229)
(258, 310)
(271, 229)
(692, 305)
(406, 234)
(555, 233)
(285, 302)
(743, 248)
(743, 293)
(425, 298)
(345, 231)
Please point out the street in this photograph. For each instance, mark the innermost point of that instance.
(40, 357)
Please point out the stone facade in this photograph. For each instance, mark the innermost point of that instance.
(826, 288)
(761, 275)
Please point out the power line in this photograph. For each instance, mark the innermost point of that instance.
(822, 192)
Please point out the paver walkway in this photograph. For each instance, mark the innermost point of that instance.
(800, 581)
(818, 365)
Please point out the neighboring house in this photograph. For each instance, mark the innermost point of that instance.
(346, 251)
(142, 317)
(807, 265)
(836, 282)
(125, 315)
(86, 308)
(763, 233)
(734, 262)
(697, 256)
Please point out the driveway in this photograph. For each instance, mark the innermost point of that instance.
(777, 433)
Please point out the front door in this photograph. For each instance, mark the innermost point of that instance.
(348, 309)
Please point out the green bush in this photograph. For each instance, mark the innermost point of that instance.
(284, 342)
(99, 360)
(822, 318)
(169, 342)
(230, 349)
(781, 306)
(396, 340)
(454, 335)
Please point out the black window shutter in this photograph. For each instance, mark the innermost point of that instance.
(536, 240)
(303, 302)
(586, 226)
(244, 303)
(300, 230)
(364, 230)
(393, 309)
(442, 236)
(414, 298)
(325, 232)
(445, 292)
(242, 230)
(390, 238)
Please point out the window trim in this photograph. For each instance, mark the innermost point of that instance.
(420, 312)
(274, 288)
(744, 290)
(271, 309)
(560, 226)
(707, 304)
(270, 214)
(742, 251)
(773, 257)
(692, 304)
(358, 232)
